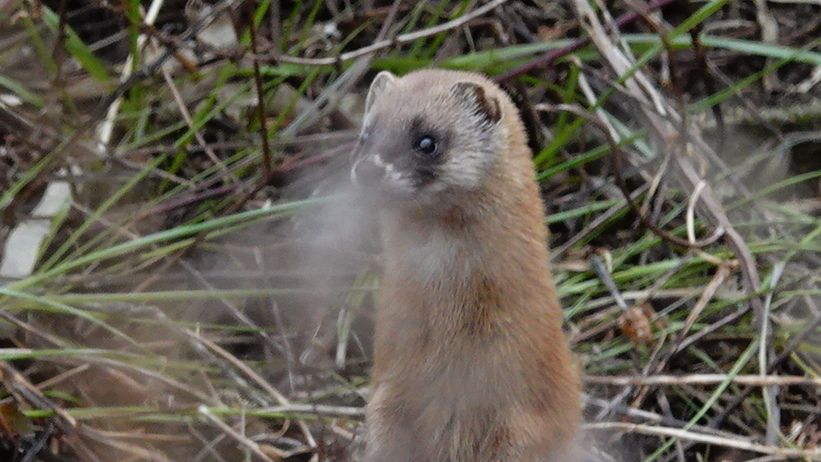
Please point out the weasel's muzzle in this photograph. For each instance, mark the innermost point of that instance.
(366, 172)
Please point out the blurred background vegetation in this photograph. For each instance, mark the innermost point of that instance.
(180, 281)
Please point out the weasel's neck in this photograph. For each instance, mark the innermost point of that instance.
(484, 264)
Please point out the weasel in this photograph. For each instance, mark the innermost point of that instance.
(470, 361)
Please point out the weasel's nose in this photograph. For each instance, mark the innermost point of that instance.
(367, 172)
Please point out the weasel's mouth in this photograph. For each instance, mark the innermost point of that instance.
(368, 172)
(372, 173)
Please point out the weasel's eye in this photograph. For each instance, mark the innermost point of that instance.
(425, 144)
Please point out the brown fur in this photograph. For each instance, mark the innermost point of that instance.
(470, 360)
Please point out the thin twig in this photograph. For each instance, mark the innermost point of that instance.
(279, 397)
(263, 122)
(604, 276)
(737, 443)
(242, 439)
(794, 342)
(20, 386)
(106, 128)
(382, 44)
(769, 393)
(704, 379)
(618, 167)
(186, 115)
(549, 58)
(318, 409)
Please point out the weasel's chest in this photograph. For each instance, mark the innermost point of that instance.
(456, 381)
(431, 252)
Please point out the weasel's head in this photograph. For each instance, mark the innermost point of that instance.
(429, 135)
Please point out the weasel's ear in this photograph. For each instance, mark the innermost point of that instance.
(382, 81)
(474, 95)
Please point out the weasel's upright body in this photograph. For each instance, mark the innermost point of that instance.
(471, 363)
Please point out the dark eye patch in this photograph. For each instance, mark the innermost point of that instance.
(427, 145)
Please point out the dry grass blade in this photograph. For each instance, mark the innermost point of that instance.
(239, 437)
(398, 40)
(207, 293)
(737, 443)
(705, 379)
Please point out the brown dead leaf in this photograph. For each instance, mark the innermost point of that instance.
(636, 325)
(14, 423)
